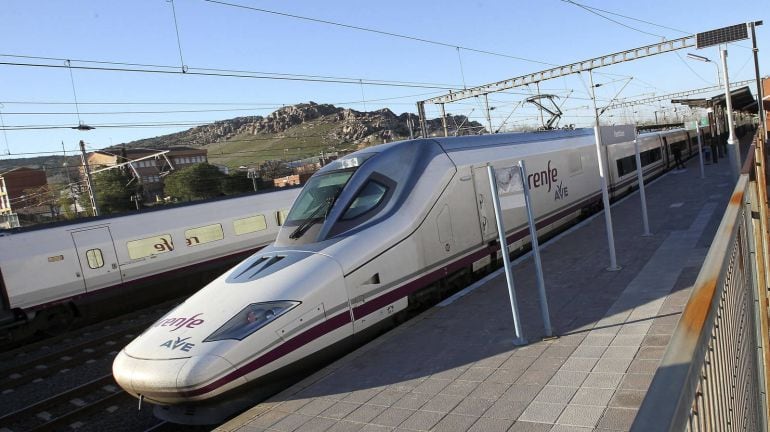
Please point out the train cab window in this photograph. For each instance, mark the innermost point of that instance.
(368, 198)
(150, 246)
(204, 234)
(95, 258)
(249, 224)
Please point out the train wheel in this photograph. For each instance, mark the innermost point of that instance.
(56, 321)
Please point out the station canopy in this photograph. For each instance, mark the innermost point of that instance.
(742, 100)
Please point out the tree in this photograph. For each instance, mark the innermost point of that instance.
(41, 196)
(198, 181)
(236, 183)
(272, 169)
(113, 191)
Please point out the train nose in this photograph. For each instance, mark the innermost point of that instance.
(170, 381)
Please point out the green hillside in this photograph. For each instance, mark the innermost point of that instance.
(298, 142)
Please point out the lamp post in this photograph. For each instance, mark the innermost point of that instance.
(692, 56)
(603, 179)
(733, 154)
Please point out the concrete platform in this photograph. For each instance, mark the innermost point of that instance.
(454, 368)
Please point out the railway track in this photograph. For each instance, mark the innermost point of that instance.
(63, 360)
(33, 348)
(66, 408)
(42, 398)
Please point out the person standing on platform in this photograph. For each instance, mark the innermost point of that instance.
(677, 150)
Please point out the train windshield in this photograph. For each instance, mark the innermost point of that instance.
(320, 194)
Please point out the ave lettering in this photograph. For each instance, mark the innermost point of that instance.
(561, 192)
(178, 343)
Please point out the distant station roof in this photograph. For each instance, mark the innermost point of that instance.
(742, 100)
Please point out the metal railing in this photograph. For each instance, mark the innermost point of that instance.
(713, 374)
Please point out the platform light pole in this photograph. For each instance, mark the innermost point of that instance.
(603, 178)
(760, 109)
(733, 154)
(706, 60)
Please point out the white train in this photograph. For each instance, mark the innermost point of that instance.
(367, 234)
(48, 276)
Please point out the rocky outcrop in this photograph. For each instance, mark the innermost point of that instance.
(347, 126)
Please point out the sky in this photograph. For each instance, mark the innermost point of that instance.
(250, 57)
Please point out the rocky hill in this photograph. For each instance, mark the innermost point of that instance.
(343, 125)
(292, 132)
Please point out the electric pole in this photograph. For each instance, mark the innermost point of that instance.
(89, 181)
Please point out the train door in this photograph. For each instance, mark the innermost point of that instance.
(98, 260)
(486, 208)
(666, 152)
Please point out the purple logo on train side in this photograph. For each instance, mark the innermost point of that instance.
(178, 323)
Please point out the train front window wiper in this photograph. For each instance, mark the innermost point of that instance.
(316, 201)
(313, 218)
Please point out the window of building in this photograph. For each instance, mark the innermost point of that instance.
(95, 258)
(150, 246)
(249, 224)
(204, 234)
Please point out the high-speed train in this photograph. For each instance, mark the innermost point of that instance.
(367, 234)
(52, 274)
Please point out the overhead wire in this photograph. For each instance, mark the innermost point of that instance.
(591, 10)
(625, 16)
(223, 73)
(371, 30)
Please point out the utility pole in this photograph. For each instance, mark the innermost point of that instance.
(733, 154)
(89, 181)
(443, 120)
(409, 124)
(760, 111)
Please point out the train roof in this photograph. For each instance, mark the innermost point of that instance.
(145, 210)
(450, 144)
(461, 143)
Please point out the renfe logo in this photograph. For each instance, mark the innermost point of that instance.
(178, 323)
(545, 177)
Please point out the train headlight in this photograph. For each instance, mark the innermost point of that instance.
(250, 319)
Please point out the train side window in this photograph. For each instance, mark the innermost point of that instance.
(249, 224)
(95, 258)
(368, 198)
(280, 216)
(626, 165)
(204, 234)
(150, 246)
(650, 156)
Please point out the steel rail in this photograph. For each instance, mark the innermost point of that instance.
(45, 404)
